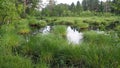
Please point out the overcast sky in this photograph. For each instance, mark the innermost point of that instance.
(67, 1)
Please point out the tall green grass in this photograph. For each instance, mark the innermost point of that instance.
(10, 61)
(51, 51)
(59, 30)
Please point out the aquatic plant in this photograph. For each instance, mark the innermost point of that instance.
(59, 30)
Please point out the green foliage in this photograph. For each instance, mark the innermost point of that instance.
(42, 65)
(116, 6)
(37, 23)
(86, 8)
(63, 22)
(81, 25)
(14, 62)
(59, 30)
(38, 50)
(86, 13)
(99, 38)
(7, 11)
(117, 29)
(97, 50)
(23, 27)
(32, 21)
(94, 22)
(9, 37)
(42, 23)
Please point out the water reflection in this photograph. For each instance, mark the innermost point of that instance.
(74, 36)
(46, 30)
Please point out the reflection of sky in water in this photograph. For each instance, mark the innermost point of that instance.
(46, 30)
(74, 36)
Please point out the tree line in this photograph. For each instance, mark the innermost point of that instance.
(15, 9)
(76, 9)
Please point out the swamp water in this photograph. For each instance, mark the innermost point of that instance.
(73, 36)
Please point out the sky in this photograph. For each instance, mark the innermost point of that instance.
(67, 1)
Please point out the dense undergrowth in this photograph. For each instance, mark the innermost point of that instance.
(19, 48)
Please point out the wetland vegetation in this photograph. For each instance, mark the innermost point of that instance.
(59, 35)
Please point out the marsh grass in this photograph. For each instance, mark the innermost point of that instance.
(53, 51)
(22, 26)
(97, 50)
(60, 30)
(94, 22)
(10, 61)
(99, 39)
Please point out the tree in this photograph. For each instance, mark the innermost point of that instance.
(78, 7)
(32, 5)
(62, 10)
(58, 10)
(72, 7)
(101, 7)
(116, 6)
(85, 5)
(7, 11)
(91, 5)
(51, 5)
(29, 6)
(107, 6)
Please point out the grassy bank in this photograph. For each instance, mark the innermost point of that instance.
(19, 48)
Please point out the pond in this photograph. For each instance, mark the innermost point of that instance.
(73, 36)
